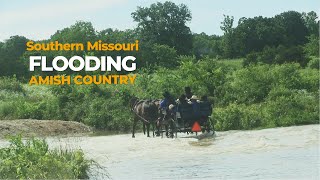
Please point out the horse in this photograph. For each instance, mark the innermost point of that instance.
(146, 111)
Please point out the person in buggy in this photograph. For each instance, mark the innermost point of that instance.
(188, 92)
(194, 101)
(182, 100)
(165, 103)
(205, 111)
(166, 107)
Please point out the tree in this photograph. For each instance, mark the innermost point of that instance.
(205, 45)
(164, 56)
(293, 28)
(165, 23)
(118, 36)
(80, 32)
(11, 51)
(227, 41)
(226, 25)
(312, 47)
(310, 21)
(254, 34)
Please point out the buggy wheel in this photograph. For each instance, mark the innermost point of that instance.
(161, 131)
(210, 126)
(173, 129)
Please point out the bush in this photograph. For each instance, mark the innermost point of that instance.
(227, 118)
(283, 107)
(7, 110)
(248, 85)
(250, 59)
(164, 56)
(103, 107)
(204, 76)
(244, 98)
(314, 63)
(10, 84)
(312, 47)
(33, 160)
(252, 117)
(252, 84)
(277, 55)
(310, 80)
(287, 108)
(237, 116)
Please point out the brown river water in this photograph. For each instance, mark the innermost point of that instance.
(277, 153)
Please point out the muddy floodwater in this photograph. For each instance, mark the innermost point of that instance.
(278, 153)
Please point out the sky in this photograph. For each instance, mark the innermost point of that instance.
(39, 19)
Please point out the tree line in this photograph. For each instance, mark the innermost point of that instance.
(274, 80)
(164, 36)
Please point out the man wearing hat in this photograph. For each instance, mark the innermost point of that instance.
(195, 105)
(165, 103)
(188, 92)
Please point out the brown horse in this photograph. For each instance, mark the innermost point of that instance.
(146, 111)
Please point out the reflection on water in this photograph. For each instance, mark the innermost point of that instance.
(278, 153)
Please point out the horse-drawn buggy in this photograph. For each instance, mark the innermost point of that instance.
(183, 115)
(187, 117)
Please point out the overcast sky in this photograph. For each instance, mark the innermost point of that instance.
(38, 19)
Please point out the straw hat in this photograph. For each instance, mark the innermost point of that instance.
(194, 97)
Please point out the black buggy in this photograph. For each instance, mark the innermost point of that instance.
(183, 117)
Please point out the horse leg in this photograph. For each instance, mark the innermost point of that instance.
(158, 131)
(212, 126)
(173, 129)
(167, 130)
(134, 126)
(161, 128)
(208, 125)
(158, 126)
(153, 129)
(148, 129)
(144, 129)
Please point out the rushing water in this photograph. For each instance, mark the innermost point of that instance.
(278, 153)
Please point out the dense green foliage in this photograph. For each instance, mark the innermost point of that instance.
(244, 98)
(274, 81)
(269, 96)
(262, 73)
(287, 29)
(33, 159)
(165, 23)
(163, 34)
(98, 106)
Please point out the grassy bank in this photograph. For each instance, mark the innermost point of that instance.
(32, 159)
(256, 96)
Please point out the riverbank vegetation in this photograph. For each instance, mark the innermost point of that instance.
(250, 97)
(32, 159)
(262, 73)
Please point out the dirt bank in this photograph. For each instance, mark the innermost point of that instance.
(32, 127)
